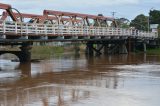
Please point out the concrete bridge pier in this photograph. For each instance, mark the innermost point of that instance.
(25, 54)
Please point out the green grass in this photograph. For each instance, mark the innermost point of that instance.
(154, 51)
(43, 52)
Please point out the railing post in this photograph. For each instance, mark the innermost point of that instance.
(16, 27)
(87, 30)
(112, 31)
(53, 29)
(98, 31)
(27, 29)
(45, 29)
(103, 30)
(59, 30)
(21, 27)
(36, 29)
(4, 27)
(81, 27)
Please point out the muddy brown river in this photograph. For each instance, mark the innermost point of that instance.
(69, 80)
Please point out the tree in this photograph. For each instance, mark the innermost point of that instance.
(154, 16)
(123, 22)
(140, 22)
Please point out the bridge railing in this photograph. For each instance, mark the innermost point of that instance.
(19, 28)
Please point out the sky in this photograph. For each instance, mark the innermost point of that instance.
(124, 8)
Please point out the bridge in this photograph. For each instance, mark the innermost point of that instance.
(24, 29)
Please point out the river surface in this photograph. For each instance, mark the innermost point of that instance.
(69, 80)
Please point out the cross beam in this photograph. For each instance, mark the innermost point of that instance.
(8, 8)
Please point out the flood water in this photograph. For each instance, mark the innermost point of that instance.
(69, 80)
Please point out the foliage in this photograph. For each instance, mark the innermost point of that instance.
(154, 51)
(140, 22)
(45, 51)
(122, 22)
(154, 17)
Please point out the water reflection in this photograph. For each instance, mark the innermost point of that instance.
(69, 79)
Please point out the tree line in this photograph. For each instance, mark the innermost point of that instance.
(140, 22)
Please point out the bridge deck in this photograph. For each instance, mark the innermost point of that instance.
(28, 31)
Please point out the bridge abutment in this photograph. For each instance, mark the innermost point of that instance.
(24, 54)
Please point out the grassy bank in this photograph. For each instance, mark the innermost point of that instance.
(46, 52)
(154, 51)
(43, 52)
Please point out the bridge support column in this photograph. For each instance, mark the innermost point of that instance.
(123, 49)
(129, 45)
(144, 47)
(113, 48)
(132, 45)
(152, 44)
(105, 49)
(99, 49)
(77, 49)
(25, 54)
(2, 36)
(89, 49)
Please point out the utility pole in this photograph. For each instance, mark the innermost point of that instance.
(149, 18)
(149, 23)
(113, 14)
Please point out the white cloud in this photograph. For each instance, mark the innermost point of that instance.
(67, 3)
(84, 6)
(127, 8)
(151, 1)
(37, 6)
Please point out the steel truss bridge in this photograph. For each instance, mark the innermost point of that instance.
(24, 28)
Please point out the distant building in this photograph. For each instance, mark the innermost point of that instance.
(154, 27)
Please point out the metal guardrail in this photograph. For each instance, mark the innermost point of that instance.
(19, 28)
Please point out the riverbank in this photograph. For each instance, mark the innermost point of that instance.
(154, 51)
(45, 52)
